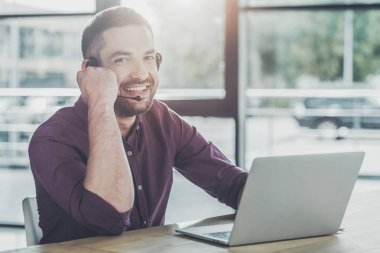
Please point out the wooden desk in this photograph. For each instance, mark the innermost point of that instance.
(361, 235)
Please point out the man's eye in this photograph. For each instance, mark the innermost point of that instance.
(122, 60)
(150, 58)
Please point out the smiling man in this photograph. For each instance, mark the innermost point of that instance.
(105, 165)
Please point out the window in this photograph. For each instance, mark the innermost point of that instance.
(311, 79)
(190, 36)
(48, 52)
(35, 53)
(12, 7)
(41, 55)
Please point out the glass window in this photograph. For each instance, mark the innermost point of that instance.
(312, 83)
(53, 43)
(48, 52)
(4, 53)
(35, 53)
(286, 49)
(14, 7)
(220, 131)
(27, 42)
(190, 36)
(45, 53)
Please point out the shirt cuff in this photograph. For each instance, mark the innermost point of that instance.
(100, 216)
(232, 199)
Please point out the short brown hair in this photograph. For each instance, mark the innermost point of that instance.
(92, 40)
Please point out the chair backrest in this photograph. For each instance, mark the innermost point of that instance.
(32, 230)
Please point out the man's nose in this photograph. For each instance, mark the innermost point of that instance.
(138, 70)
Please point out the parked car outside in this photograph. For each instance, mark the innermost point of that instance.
(335, 117)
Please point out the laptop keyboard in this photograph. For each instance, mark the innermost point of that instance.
(221, 235)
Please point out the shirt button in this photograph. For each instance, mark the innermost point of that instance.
(139, 187)
(129, 153)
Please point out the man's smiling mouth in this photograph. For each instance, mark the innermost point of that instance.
(135, 88)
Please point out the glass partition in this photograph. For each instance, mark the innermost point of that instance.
(190, 36)
(15, 7)
(39, 58)
(312, 83)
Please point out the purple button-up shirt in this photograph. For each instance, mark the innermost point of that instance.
(159, 141)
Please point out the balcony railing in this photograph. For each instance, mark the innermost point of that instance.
(19, 121)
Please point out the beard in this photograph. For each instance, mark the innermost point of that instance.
(127, 107)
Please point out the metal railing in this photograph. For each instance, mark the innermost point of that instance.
(271, 95)
(17, 123)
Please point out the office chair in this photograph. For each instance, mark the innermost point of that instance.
(32, 230)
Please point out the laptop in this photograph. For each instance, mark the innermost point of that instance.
(288, 197)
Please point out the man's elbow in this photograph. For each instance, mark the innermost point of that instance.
(110, 227)
(123, 206)
(116, 230)
(99, 215)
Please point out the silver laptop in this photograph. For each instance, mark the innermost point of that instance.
(289, 197)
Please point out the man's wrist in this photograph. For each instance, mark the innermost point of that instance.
(101, 103)
(101, 107)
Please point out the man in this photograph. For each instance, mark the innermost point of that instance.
(105, 165)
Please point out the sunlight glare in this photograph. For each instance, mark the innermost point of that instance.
(55, 5)
(144, 8)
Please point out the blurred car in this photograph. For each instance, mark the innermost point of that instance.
(336, 117)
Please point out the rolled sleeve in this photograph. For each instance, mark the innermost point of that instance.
(60, 170)
(231, 182)
(106, 220)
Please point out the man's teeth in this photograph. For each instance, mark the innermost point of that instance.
(141, 88)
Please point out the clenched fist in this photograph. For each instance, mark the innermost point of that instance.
(98, 86)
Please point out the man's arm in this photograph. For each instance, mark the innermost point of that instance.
(204, 165)
(108, 174)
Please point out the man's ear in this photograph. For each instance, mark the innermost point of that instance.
(158, 60)
(84, 63)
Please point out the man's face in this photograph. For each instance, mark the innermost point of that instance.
(129, 52)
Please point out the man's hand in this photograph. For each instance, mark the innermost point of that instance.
(98, 86)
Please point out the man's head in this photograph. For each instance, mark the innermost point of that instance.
(122, 40)
(92, 36)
